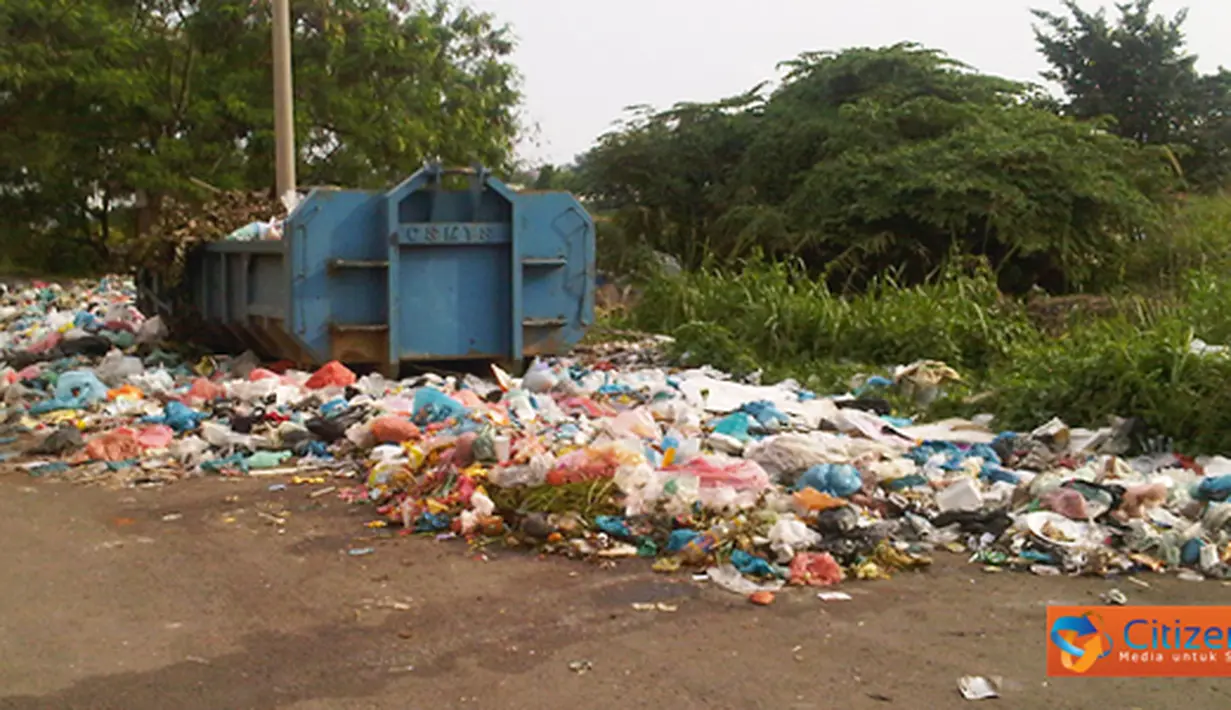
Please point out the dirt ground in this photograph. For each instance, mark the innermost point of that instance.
(105, 604)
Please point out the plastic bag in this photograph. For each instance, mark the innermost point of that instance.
(720, 471)
(815, 569)
(729, 578)
(790, 535)
(249, 391)
(152, 331)
(432, 405)
(331, 374)
(158, 436)
(789, 454)
(154, 381)
(841, 480)
(751, 564)
(220, 436)
(204, 390)
(634, 423)
(593, 463)
(74, 390)
(1066, 502)
(539, 379)
(116, 367)
(267, 459)
(179, 417)
(117, 445)
(189, 450)
(1211, 488)
(393, 430)
(734, 425)
(531, 473)
(80, 385)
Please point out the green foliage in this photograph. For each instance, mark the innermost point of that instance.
(1137, 71)
(1119, 367)
(1194, 238)
(106, 107)
(871, 160)
(1136, 361)
(775, 314)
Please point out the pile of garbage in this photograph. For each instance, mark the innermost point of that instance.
(610, 454)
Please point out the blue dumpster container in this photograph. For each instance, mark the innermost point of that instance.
(422, 272)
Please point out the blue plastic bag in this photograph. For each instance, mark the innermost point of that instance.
(1216, 488)
(751, 565)
(431, 405)
(766, 414)
(74, 390)
(679, 539)
(735, 426)
(178, 416)
(841, 480)
(613, 525)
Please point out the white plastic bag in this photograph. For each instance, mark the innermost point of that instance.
(731, 580)
(791, 535)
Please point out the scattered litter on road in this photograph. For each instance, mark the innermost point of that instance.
(360, 551)
(1114, 597)
(761, 598)
(833, 596)
(580, 667)
(978, 687)
(655, 606)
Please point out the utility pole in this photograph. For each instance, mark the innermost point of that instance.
(284, 108)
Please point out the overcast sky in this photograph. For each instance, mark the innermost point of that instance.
(583, 61)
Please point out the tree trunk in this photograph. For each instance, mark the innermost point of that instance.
(149, 209)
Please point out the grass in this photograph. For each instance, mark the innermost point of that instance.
(1135, 361)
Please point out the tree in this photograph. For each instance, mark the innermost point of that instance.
(870, 160)
(1137, 71)
(108, 106)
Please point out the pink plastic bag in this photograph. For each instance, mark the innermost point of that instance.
(48, 342)
(720, 471)
(815, 569)
(203, 390)
(1066, 502)
(29, 373)
(158, 436)
(596, 462)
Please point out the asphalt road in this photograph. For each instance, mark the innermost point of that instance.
(105, 604)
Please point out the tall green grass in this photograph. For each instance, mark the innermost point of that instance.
(1138, 362)
(773, 315)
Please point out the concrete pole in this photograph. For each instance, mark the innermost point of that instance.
(284, 108)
